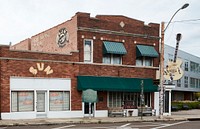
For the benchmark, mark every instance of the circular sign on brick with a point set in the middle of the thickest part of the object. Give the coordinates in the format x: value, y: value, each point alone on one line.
x: 89, y: 96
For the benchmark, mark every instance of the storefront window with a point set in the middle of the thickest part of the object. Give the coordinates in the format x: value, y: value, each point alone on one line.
x: 128, y: 100
x: 22, y: 101
x: 115, y: 99
x: 59, y: 101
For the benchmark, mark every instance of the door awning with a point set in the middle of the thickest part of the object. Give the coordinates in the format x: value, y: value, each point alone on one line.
x: 148, y: 51
x: 101, y: 83
x: 114, y: 48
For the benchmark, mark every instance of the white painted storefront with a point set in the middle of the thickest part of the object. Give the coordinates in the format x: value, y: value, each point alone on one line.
x: 40, y: 97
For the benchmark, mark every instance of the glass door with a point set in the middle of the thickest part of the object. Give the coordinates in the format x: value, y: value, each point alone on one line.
x: 41, y: 104
x: 88, y: 109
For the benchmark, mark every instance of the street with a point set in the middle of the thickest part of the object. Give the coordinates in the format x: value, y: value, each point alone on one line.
x: 130, y: 125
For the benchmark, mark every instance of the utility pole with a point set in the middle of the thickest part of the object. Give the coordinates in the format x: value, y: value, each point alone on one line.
x: 142, y: 97
x: 161, y: 93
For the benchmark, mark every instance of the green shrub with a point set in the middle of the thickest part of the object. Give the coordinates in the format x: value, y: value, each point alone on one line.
x: 190, y: 104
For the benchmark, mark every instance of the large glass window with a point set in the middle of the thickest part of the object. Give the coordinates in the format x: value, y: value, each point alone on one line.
x: 127, y: 99
x: 88, y: 51
x: 59, y: 101
x: 22, y: 101
x: 112, y: 59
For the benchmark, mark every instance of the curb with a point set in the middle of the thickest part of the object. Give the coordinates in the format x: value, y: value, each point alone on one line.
x: 87, y: 121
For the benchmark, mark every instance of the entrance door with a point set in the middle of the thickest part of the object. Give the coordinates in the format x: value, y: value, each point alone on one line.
x: 166, y: 106
x: 87, y: 109
x: 41, y: 104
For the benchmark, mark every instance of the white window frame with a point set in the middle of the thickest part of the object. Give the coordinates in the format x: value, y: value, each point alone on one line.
x: 15, y: 101
x: 61, y: 107
x: 91, y: 52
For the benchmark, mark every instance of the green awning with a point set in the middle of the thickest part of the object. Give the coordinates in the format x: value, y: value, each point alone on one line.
x: 101, y: 83
x: 114, y: 48
x: 148, y: 51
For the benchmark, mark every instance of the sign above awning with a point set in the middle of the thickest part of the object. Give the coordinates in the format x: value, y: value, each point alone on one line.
x: 101, y: 83
x: 148, y: 51
x: 114, y: 48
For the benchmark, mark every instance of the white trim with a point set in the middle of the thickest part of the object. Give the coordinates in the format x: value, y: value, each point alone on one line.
x: 40, y: 84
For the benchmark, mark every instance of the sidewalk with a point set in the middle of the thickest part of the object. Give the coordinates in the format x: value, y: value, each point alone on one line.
x: 176, y: 116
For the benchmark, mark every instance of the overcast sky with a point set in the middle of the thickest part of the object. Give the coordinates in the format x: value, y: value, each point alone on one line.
x: 21, y: 19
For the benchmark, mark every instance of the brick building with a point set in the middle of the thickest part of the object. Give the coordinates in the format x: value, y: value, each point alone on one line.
x: 45, y: 75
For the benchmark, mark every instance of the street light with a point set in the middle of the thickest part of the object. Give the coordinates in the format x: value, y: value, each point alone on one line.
x: 183, y: 7
x: 163, y: 29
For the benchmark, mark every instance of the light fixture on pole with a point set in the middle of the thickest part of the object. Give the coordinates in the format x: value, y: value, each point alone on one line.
x: 163, y: 29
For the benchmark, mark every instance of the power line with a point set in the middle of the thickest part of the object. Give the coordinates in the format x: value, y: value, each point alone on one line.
x: 190, y: 20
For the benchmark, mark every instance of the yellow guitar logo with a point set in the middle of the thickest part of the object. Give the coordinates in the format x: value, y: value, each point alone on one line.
x: 173, y: 70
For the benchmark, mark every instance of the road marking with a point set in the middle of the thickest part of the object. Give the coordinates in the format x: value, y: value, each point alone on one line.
x: 167, y: 125
x: 68, y: 126
x: 140, y: 126
x: 125, y: 125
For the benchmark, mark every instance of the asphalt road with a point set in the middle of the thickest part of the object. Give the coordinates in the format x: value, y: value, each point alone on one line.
x: 133, y: 125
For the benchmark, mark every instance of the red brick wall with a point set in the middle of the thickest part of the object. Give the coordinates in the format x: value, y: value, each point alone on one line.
x: 46, y: 40
x: 17, y: 65
x: 23, y: 45
x: 111, y: 23
x: 102, y: 104
x: 128, y: 59
x: 117, y: 71
x: 64, y: 66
